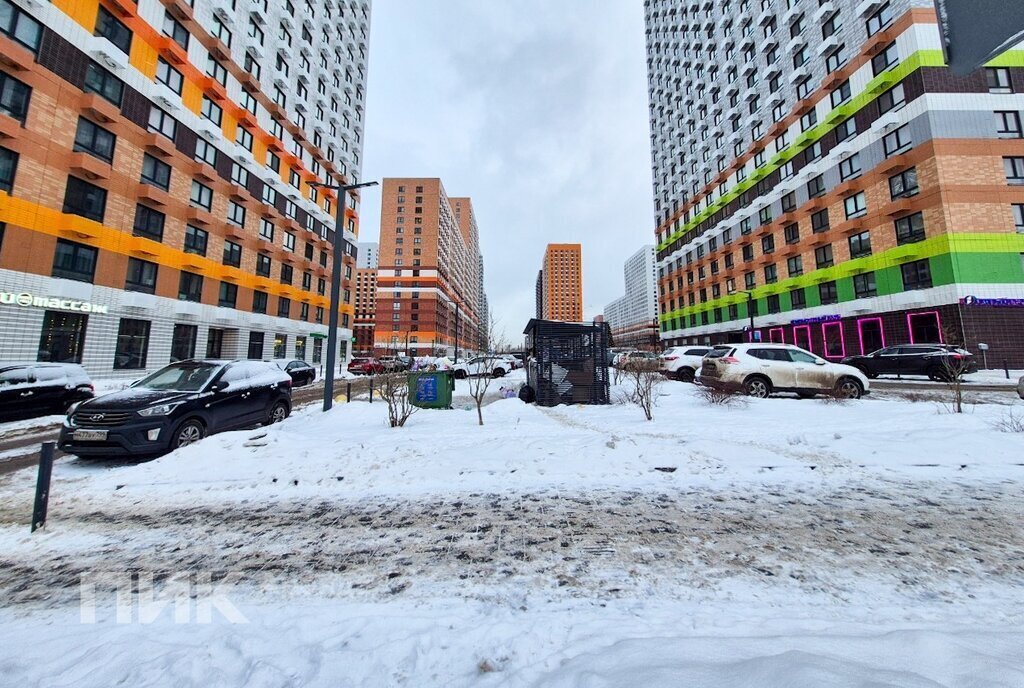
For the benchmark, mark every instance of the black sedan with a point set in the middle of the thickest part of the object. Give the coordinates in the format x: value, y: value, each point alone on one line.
x: 301, y: 372
x: 937, y: 361
x: 177, y: 405
x: 28, y: 390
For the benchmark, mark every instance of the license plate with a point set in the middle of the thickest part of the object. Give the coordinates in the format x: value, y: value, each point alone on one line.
x: 90, y: 435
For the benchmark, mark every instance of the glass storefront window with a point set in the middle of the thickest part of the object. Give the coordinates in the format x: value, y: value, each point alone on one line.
x: 280, y: 345
x: 62, y: 338
x: 300, y: 348
x: 255, y: 345
x: 132, y: 344
x: 183, y: 342
x: 318, y: 349
x: 214, y: 342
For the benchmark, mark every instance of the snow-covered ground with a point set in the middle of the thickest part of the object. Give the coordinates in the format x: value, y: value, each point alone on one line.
x: 780, y: 542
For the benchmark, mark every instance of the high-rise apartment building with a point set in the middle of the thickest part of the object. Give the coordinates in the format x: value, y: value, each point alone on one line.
x: 155, y: 168
x: 633, y: 316
x: 429, y: 291
x: 818, y: 169
x: 368, y: 252
x: 538, y: 295
x: 561, y: 283
x: 365, y: 310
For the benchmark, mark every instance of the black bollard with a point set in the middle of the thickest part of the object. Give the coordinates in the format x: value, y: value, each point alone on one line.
x: 43, y: 485
x: 348, y: 391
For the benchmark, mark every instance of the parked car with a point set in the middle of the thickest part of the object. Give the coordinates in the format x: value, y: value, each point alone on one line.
x: 301, y: 372
x: 636, y: 356
x: 393, y: 364
x: 481, y: 365
x: 683, y: 362
x: 1020, y: 387
x: 763, y: 369
x: 513, y: 362
x: 937, y: 361
x: 366, y: 366
x: 28, y: 390
x: 178, y: 405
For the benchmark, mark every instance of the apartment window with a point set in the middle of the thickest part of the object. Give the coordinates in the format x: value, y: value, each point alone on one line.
x: 789, y: 202
x: 885, y: 59
x: 798, y: 298
x: 749, y: 280
x: 249, y: 102
x: 95, y: 140
x: 850, y: 168
x: 162, y: 123
x: 263, y: 265
x: 1008, y: 125
x: 791, y: 233
x: 269, y: 195
x: 998, y: 80
x: 904, y: 184
x: 216, y: 70
x: 855, y: 205
x: 289, y: 241
x: 835, y: 59
x: 141, y: 276
x: 284, y: 309
x: 287, y: 273
x: 768, y: 244
x: 74, y: 261
x: 175, y: 30
x: 891, y: 99
x: 221, y: 31
x: 148, y: 223
x: 113, y: 30
x: 233, y: 254
x: 896, y: 141
x: 14, y: 97
x: 860, y: 245
x: 236, y: 214
x: 190, y: 287
x: 8, y: 167
x: 827, y: 292
x: 771, y: 274
x: 745, y: 226
x: 816, y: 186
x: 132, y: 344
x: 809, y: 119
x: 840, y: 94
x: 916, y: 275
x: 864, y: 285
x: 103, y: 83
x: 795, y: 266
x: 212, y: 111
x: 244, y: 138
x: 846, y: 129
x: 201, y: 196
x: 183, y: 342
x: 803, y: 88
x: 85, y: 199
x: 266, y: 229
x: 19, y: 26
x: 910, y: 229
x: 206, y: 152
x: 228, y: 295
x: 1018, y: 217
x: 823, y: 256
x: 169, y: 76
x: 881, y: 18
x: 765, y: 215
x: 195, y: 240
x: 239, y: 175
x: 259, y: 302
x: 155, y: 172
x: 748, y: 253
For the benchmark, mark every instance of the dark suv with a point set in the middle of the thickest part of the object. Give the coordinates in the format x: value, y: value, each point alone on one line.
x: 937, y: 361
x: 178, y: 405
x: 28, y: 390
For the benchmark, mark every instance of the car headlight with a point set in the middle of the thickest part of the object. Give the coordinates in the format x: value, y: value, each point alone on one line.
x: 159, y: 409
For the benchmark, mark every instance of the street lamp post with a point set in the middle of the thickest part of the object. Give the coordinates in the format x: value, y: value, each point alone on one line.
x: 332, y: 327
x: 456, y: 331
x: 750, y: 309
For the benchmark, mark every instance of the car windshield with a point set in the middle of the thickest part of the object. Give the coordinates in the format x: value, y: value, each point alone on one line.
x: 181, y: 377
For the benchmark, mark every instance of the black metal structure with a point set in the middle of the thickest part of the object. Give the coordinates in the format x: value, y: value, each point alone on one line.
x: 568, y: 361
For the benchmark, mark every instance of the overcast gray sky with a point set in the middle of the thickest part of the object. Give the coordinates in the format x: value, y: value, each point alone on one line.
x: 537, y: 110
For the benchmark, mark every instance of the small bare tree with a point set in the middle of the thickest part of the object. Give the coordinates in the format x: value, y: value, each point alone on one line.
x: 954, y: 367
x: 643, y: 379
x: 481, y: 382
x: 394, y: 389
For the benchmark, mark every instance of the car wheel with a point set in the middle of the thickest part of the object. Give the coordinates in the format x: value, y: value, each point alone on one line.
x: 758, y: 387
x: 278, y: 413
x: 938, y: 375
x: 460, y: 374
x: 189, y: 432
x: 848, y: 388
x: 499, y: 372
x: 686, y: 374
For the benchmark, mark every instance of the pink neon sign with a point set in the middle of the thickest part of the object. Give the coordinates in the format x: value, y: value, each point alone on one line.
x: 825, y: 327
x: 777, y: 335
x: 910, y: 324
x: 860, y: 332
x: 807, y: 342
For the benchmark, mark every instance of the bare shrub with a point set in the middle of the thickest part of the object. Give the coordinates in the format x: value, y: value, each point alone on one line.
x: 479, y: 384
x: 953, y: 370
x: 1010, y: 422
x: 915, y: 397
x: 643, y: 378
x: 834, y: 396
x: 722, y: 394
x: 394, y: 390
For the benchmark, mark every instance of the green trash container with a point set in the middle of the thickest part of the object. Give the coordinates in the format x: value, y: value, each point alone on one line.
x: 431, y: 389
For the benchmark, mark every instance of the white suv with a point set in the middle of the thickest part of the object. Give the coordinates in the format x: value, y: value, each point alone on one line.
x: 762, y: 369
x: 492, y: 365
x: 683, y: 362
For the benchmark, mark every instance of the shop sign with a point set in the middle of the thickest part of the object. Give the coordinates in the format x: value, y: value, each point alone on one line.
x: 819, y: 319
x: 1004, y: 303
x: 26, y: 300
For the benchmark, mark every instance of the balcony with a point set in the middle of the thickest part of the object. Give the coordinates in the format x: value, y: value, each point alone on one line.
x: 98, y: 108
x: 148, y: 192
x: 15, y: 56
x: 198, y: 215
x: 87, y: 166
x: 158, y: 144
